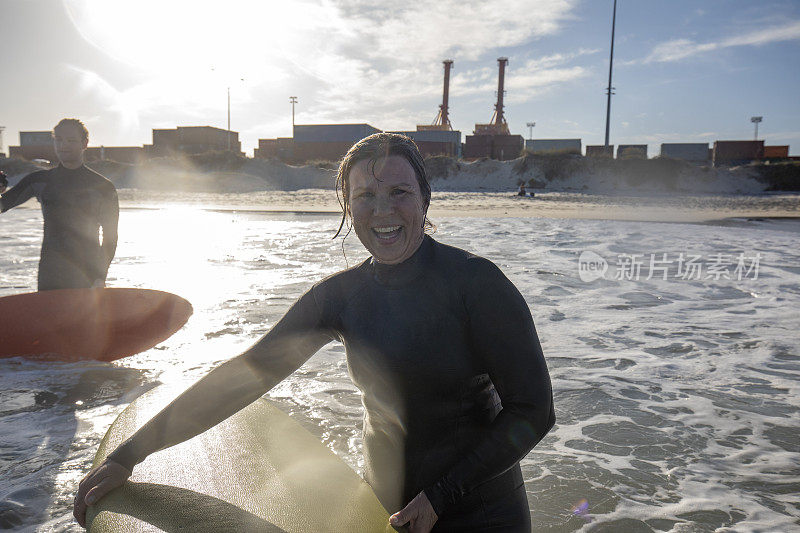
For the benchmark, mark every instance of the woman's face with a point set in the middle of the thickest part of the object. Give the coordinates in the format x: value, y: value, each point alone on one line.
x: 387, y: 208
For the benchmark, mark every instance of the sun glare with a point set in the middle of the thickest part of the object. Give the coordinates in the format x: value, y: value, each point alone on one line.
x: 235, y: 38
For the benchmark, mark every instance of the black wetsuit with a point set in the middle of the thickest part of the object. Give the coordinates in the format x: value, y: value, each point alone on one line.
x: 434, y: 343
x: 75, y: 203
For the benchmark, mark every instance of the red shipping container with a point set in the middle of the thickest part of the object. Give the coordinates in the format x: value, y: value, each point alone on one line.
x: 776, y: 151
x: 431, y: 148
x: 737, y: 152
x: 599, y: 150
x: 506, y: 147
x: 478, y: 146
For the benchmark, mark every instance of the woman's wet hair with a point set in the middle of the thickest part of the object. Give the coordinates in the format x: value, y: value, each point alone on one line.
x: 74, y: 122
x: 374, y: 148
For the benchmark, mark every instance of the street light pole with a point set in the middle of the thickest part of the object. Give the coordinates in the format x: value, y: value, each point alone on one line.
x: 293, y: 100
x: 530, y: 130
x: 756, y: 120
x: 229, y: 113
x: 610, y: 89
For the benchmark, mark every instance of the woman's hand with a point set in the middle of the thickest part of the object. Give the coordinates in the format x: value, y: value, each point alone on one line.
x: 97, y: 483
x: 418, y: 514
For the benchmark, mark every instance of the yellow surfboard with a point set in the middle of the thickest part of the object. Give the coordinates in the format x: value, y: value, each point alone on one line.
x: 259, y: 470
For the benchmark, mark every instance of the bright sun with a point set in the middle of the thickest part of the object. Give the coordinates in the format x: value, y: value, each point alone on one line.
x: 232, y: 38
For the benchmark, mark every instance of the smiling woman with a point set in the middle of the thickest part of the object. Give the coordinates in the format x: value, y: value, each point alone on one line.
x: 441, y: 344
x: 388, y: 208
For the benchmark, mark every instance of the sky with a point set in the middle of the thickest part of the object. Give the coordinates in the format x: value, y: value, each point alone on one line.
x: 684, y: 70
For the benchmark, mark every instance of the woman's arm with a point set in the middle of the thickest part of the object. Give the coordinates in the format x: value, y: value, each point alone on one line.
x: 503, y: 334
x: 222, y: 392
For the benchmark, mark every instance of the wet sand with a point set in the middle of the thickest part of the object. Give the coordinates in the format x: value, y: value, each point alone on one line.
x: 562, y: 205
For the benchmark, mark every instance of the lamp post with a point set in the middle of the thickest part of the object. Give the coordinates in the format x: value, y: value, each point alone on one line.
x: 610, y: 89
x: 293, y: 101
x: 530, y: 130
x: 229, y: 114
x: 756, y: 120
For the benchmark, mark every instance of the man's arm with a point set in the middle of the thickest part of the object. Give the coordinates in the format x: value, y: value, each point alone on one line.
x: 18, y: 194
x: 109, y: 220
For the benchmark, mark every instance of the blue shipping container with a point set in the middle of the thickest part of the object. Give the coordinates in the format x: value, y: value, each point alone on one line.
x: 320, y: 133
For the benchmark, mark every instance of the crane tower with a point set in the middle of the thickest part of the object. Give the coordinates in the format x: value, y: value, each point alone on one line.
x: 497, y: 124
x: 442, y: 120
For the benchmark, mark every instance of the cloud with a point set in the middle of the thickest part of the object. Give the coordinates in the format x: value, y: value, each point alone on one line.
x: 423, y: 30
x: 523, y: 82
x: 92, y: 85
x: 678, y: 49
x: 384, y: 63
x: 346, y: 60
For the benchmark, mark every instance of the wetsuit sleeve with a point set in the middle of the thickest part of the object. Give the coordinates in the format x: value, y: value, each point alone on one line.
x: 109, y: 219
x: 233, y: 385
x: 18, y: 194
x: 503, y: 335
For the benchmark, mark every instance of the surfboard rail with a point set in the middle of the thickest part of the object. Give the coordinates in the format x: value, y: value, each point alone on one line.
x: 101, y: 324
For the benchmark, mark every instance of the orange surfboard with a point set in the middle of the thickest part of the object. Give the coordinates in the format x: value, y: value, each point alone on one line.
x: 100, y: 324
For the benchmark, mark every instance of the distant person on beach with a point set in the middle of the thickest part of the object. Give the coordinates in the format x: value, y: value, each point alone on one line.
x: 80, y: 211
x: 522, y: 192
x: 442, y: 345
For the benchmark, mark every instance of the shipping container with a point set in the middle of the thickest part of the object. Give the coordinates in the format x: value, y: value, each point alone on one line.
x: 632, y: 151
x: 120, y: 154
x: 205, y: 135
x: 319, y: 151
x: 737, y: 152
x: 267, y: 148
x: 46, y: 152
x: 285, y: 148
x: 164, y: 141
x: 693, y: 152
x: 477, y: 146
x: 776, y: 152
x: 437, y: 142
x: 507, y: 147
x: 599, y: 150
x: 430, y: 149
x: 36, y: 138
x: 337, y: 133
x: 543, y: 146
x: 439, y: 136
x: 194, y: 140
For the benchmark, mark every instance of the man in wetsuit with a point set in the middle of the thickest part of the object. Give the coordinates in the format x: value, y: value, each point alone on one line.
x: 80, y: 211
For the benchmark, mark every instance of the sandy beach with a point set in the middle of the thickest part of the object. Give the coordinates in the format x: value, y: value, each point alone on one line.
x: 557, y: 205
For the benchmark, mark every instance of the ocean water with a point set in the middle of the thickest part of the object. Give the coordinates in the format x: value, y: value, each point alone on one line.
x: 677, y: 396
